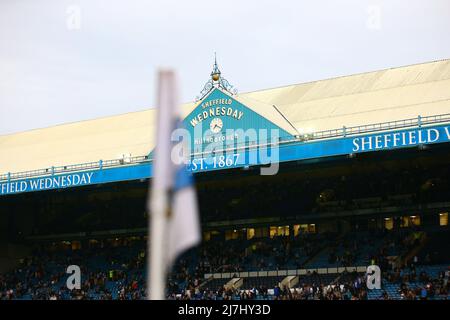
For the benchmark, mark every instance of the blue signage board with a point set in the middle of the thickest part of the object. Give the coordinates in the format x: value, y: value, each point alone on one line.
x: 248, y: 157
x: 78, y: 179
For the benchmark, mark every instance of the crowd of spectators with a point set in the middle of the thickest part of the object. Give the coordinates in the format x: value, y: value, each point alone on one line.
x: 107, y: 273
x: 117, y: 271
x: 352, y: 287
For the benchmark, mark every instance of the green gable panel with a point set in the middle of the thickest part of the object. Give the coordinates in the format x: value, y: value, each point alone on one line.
x: 222, y: 120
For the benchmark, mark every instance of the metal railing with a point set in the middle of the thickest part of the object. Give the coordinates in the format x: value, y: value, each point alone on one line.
x: 285, y: 272
x: 341, y: 132
x: 390, y: 125
x: 74, y: 168
x: 320, y: 135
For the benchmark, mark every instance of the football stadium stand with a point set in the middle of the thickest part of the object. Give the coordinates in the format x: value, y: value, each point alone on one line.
x: 118, y: 272
x: 363, y: 180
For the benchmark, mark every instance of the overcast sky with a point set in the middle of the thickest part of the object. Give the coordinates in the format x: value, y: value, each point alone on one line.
x: 65, y: 61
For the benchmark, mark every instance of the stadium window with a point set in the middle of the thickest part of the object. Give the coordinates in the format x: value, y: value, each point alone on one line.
x: 388, y: 223
x: 215, y: 234
x: 272, y: 232
x: 404, y: 223
x: 304, y: 228
x: 207, y: 236
x: 250, y: 233
x: 94, y: 243
x: 261, y: 232
x: 415, y: 220
x: 232, y: 234
x: 66, y: 245
x: 76, y: 245
x: 229, y: 235
x: 280, y: 231
x: 443, y: 219
x: 115, y: 242
x: 372, y: 224
x: 296, y: 229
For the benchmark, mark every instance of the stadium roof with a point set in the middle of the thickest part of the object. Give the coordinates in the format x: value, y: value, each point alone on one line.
x: 372, y: 97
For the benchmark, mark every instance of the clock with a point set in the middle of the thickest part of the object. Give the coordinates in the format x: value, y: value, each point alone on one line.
x: 216, y: 125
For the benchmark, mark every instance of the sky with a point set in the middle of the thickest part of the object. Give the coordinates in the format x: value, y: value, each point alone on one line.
x: 65, y: 61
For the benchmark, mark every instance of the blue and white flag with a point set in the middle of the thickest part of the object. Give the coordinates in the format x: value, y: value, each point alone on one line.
x: 173, y: 206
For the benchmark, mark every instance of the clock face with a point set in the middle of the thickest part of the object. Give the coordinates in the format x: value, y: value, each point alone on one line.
x: 216, y: 125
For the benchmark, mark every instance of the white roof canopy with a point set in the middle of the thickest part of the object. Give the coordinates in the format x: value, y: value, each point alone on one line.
x: 372, y: 97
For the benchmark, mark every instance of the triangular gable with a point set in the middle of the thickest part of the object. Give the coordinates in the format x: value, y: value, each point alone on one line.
x: 219, y: 113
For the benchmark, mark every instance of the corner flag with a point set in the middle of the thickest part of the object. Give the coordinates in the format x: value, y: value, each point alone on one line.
x: 174, y: 223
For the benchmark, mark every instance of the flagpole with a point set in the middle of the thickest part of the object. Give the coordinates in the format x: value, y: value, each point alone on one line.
x: 160, y: 185
x: 173, y: 222
x: 156, y: 276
